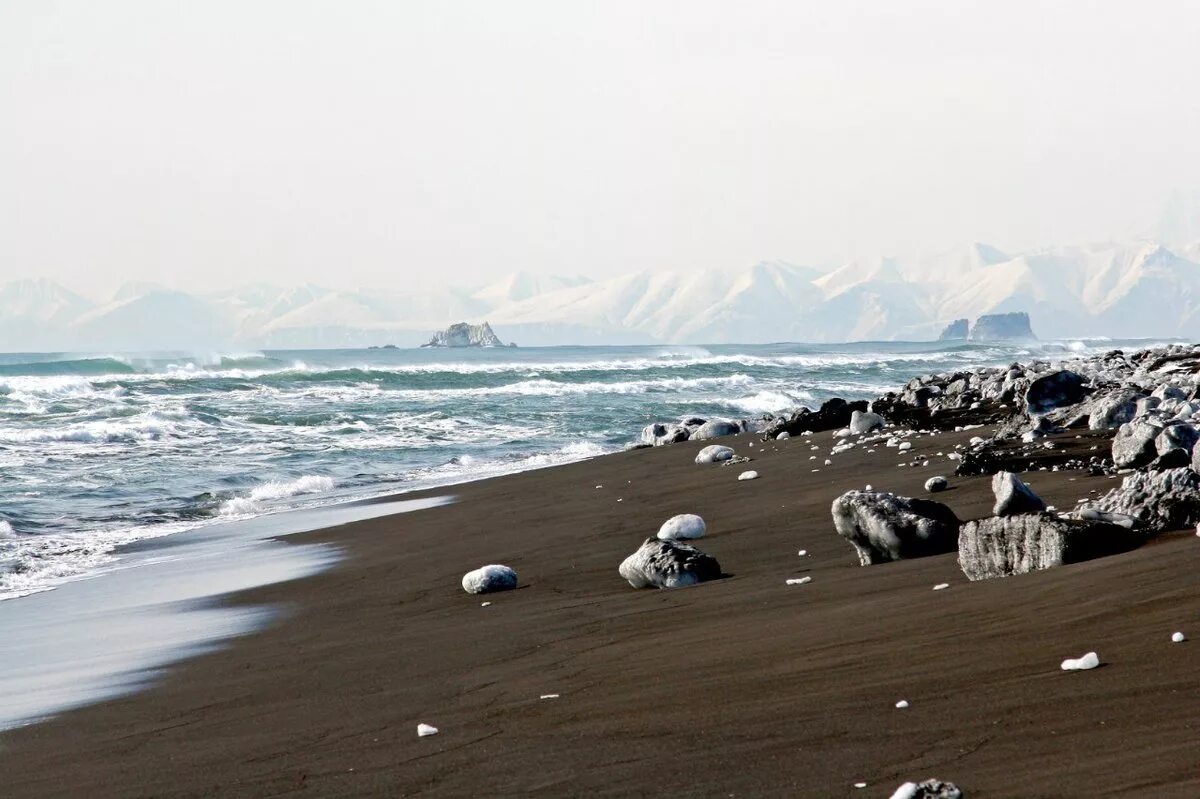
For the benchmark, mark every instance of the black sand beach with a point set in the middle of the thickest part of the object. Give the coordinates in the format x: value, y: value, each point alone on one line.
x: 741, y: 687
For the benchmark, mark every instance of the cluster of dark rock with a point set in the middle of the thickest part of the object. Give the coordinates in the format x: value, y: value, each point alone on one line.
x: 1148, y: 402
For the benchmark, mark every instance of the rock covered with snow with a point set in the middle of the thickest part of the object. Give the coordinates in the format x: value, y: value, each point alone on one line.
x: 489, y: 579
x: 668, y: 564
x: 884, y: 527
x: 683, y: 526
x: 1013, y: 496
x: 1008, y: 545
x: 935, y: 484
x: 714, y: 453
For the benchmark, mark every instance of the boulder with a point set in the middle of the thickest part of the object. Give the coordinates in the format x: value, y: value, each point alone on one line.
x: 1171, y: 459
x: 1160, y: 500
x: 1055, y: 390
x: 1003, y: 546
x: 715, y: 428
x: 884, y: 527
x: 658, y: 434
x: 667, y: 564
x: 685, y: 525
x: 1113, y: 410
x: 1177, y: 435
x: 862, y: 422
x: 929, y: 789
x: 1133, y: 445
x: 714, y: 453
x: 489, y: 579
x: 935, y: 484
x: 1013, y: 496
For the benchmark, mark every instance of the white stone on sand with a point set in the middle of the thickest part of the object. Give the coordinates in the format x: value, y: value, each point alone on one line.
x: 487, y: 579
x: 941, y: 586
x: 549, y: 696
x: 784, y: 436
x: 750, y: 475
x: 1178, y: 638
x: 685, y: 525
x: 799, y: 580
x: 424, y: 730
x: 903, y: 703
x: 1089, y: 661
x: 714, y: 453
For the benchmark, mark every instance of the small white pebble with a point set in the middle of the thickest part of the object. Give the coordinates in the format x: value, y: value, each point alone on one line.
x: 903, y: 703
x: 599, y: 486
x: 941, y: 586
x: 1178, y: 638
x: 750, y: 475
x: 424, y: 730
x: 868, y: 488
x: 803, y: 553
x: 618, y: 499
x: 799, y: 580
x: 860, y: 785
x: 828, y: 462
x: 549, y: 696
x: 484, y: 604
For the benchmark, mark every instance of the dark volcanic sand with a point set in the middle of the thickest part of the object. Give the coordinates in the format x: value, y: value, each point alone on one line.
x: 742, y: 687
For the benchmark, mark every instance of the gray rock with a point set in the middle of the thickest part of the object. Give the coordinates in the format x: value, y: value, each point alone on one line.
x: 1113, y: 410
x: 714, y: 453
x: 935, y: 484
x: 1169, y: 392
x: 465, y: 335
x: 929, y: 789
x: 715, y: 428
x: 1160, y: 500
x: 1013, y: 496
x: 489, y: 579
x: 1003, y: 546
x: 1171, y: 459
x: 1178, y: 435
x: 1055, y: 390
x: 659, y: 434
x: 1133, y: 445
x: 668, y: 564
x: 862, y: 422
x: 884, y: 527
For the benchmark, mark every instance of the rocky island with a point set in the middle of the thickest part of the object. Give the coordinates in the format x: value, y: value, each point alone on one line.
x: 990, y: 327
x: 465, y: 335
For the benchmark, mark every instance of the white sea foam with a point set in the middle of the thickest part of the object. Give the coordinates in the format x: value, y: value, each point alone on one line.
x: 258, y: 498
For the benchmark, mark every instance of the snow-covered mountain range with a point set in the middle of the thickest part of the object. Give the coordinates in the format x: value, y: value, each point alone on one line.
x: 1114, y: 289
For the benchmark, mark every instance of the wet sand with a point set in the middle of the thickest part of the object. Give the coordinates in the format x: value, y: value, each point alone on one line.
x: 741, y: 687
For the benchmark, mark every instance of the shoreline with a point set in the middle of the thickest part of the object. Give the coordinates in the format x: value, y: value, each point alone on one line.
x: 743, y: 686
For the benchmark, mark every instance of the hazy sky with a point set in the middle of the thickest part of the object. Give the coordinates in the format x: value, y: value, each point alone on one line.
x: 206, y: 144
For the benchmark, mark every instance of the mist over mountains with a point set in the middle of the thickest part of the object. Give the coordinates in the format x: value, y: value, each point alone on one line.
x: 1130, y: 289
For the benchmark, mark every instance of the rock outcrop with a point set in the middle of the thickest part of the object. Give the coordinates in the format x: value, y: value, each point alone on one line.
x: 832, y: 415
x: 668, y: 564
x: 955, y: 331
x: 1002, y: 326
x: 1003, y: 546
x: 465, y: 335
x: 884, y: 527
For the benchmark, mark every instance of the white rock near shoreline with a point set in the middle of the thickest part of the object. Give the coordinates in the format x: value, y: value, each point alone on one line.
x: 714, y: 453
x: 488, y: 579
x: 683, y: 526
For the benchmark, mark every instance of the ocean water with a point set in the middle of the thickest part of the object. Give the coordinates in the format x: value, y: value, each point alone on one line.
x: 100, y: 451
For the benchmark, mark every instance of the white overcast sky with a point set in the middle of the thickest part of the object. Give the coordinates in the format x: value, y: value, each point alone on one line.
x: 208, y: 144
